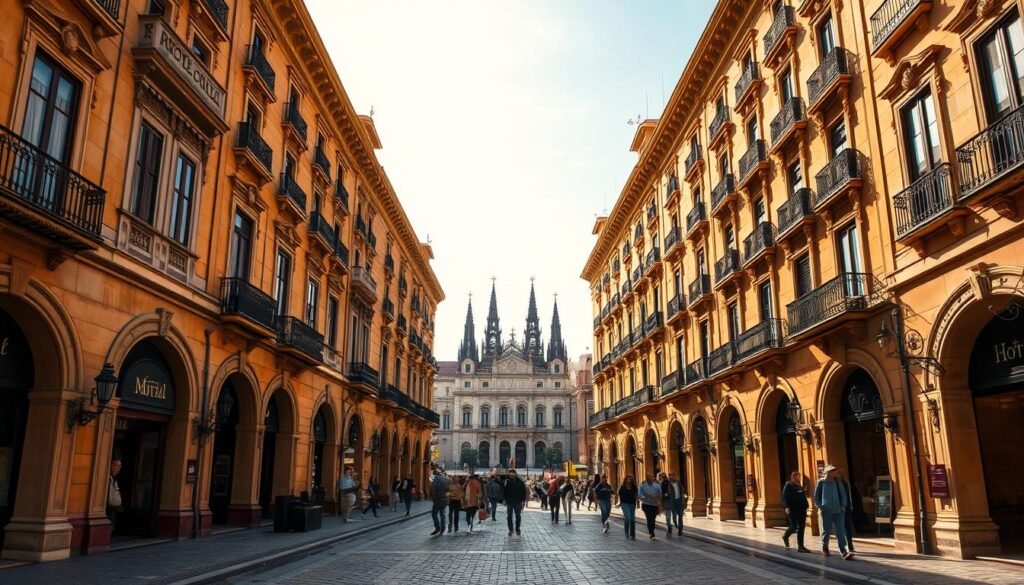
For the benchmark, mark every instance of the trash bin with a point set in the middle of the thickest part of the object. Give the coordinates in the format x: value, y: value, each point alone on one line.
x: 282, y: 505
x: 303, y: 516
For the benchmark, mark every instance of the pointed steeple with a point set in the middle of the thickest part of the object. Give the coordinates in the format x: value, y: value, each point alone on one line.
x: 533, y: 344
x: 468, y: 347
x: 492, y: 335
x: 556, y: 349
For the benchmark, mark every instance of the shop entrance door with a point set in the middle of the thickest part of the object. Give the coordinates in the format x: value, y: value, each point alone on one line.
x: 866, y: 454
x: 137, y: 444
x: 16, y: 377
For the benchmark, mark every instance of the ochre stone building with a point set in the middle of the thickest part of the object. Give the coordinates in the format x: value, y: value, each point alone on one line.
x: 188, y: 195
x: 817, y: 259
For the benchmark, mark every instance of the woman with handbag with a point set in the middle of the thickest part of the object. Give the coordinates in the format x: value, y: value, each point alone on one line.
x: 472, y: 497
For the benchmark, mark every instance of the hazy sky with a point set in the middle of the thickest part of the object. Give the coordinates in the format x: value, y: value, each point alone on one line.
x: 504, y: 126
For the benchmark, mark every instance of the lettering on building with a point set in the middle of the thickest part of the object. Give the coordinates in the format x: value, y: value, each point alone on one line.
x: 4, y: 345
x: 1008, y: 351
x: 150, y: 388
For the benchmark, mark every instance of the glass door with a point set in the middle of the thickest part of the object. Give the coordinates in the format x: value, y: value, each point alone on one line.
x: 850, y: 262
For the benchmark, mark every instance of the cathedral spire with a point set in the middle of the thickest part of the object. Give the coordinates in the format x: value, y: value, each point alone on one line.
x: 556, y: 349
x: 533, y: 346
x: 468, y: 348
x: 492, y: 336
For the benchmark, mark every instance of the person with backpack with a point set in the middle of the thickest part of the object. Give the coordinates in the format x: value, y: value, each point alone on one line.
x: 568, y: 494
x: 472, y: 497
x: 553, y: 498
x: 494, y: 495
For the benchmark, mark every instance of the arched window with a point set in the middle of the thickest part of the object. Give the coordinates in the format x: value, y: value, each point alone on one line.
x: 520, y: 416
x: 558, y: 368
x: 446, y: 421
x: 467, y: 418
x: 558, y: 416
x: 485, y: 417
x: 465, y: 368
x: 503, y: 416
x: 539, y: 418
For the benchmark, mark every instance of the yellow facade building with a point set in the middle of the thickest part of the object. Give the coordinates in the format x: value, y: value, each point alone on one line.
x: 817, y: 260
x: 205, y: 274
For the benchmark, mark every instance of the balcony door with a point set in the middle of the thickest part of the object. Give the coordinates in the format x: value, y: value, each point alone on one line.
x: 1001, y: 61
x: 850, y: 261
x: 49, y: 126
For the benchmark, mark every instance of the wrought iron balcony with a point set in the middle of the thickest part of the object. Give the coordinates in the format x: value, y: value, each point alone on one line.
x: 696, y: 216
x: 363, y: 283
x: 597, y: 321
x: 616, y: 266
x: 695, y: 156
x: 633, y: 401
x: 672, y: 187
x: 388, y: 307
x: 759, y: 241
x: 892, y: 17
x: 321, y: 161
x: 638, y: 231
x: 627, y: 287
x: 389, y: 263
x: 784, y: 21
x: 249, y: 139
x: 676, y: 305
x: 596, y: 369
x: 638, y: 274
x: 722, y: 191
x: 753, y: 158
x: 766, y: 335
x: 727, y: 265
x: 606, y: 280
x: 721, y: 358
x: 991, y: 154
x: 671, y: 383
x: 789, y: 118
x: 928, y: 198
x: 653, y: 256
x: 840, y: 172
x: 341, y: 193
x: 294, y: 334
x: 598, y: 417
x: 293, y: 118
x: 218, y: 9
x: 844, y: 293
x: 751, y: 75
x: 672, y: 237
x: 238, y: 297
x: 257, y: 61
x: 696, y: 371
x: 319, y: 227
x: 654, y: 322
x: 794, y: 211
x: 834, y: 67
x: 363, y: 374
x: 290, y: 189
x: 402, y: 323
x: 341, y: 252
x: 606, y: 311
x: 699, y: 288
x: 718, y: 122
x: 46, y: 196
x: 615, y: 301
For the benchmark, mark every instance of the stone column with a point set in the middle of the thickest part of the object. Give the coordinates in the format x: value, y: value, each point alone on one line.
x: 244, y: 509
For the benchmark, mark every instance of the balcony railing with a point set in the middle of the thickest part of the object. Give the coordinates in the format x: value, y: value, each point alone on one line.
x: 218, y: 8
x: 693, y: 158
x: 113, y: 8
x: 835, y: 64
x: 295, y: 119
x: 721, y: 358
x: 292, y: 332
x: 759, y: 240
x: 318, y: 225
x: 341, y: 192
x: 754, y: 156
x: 653, y: 322
x: 597, y: 418
x: 991, y: 154
x: 700, y: 287
x: 388, y: 306
x: 654, y: 255
x: 638, y: 274
x: 258, y: 61
x: 718, y: 122
x: 929, y: 197
x: 784, y: 19
x: 838, y: 173
x: 49, y: 187
x: 341, y: 251
x: 361, y: 373
x: 751, y: 73
x: 361, y: 276
x: 671, y: 383
x: 290, y: 189
x: 238, y: 297
x: 696, y: 371
x: 791, y: 113
x: 652, y: 212
x: 633, y: 401
x: 249, y: 138
x: 695, y: 216
x: 320, y: 159
x: 888, y: 18
x: 638, y: 231
x: 597, y: 321
x: 672, y: 186
x: 846, y: 292
x: 768, y: 334
x: 728, y: 264
x: 403, y: 324
x: 795, y: 209
x: 722, y: 190
x: 676, y: 305
x: 673, y: 237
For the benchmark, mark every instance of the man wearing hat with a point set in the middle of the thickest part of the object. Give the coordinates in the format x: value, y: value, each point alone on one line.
x: 832, y: 500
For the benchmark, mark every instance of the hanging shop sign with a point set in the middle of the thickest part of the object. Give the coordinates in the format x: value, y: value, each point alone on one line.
x: 191, y: 471
x: 997, y: 360
x: 147, y: 385
x: 938, y: 481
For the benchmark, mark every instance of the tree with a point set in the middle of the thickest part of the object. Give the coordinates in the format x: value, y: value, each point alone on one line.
x: 550, y: 456
x: 468, y: 457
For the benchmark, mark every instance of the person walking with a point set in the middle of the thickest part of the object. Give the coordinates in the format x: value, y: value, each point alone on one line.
x: 679, y: 498
x: 540, y: 491
x: 591, y: 495
x: 406, y: 490
x: 650, y: 499
x: 794, y: 499
x: 455, y: 493
x: 394, y: 493
x: 603, y: 496
x: 515, y: 496
x: 627, y: 501
x: 568, y: 493
x: 113, y: 493
x: 553, y: 498
x: 472, y: 497
x: 371, y: 489
x: 848, y: 514
x: 439, y: 498
x: 348, y: 485
x: 666, y: 501
x: 493, y: 490
x: 832, y: 499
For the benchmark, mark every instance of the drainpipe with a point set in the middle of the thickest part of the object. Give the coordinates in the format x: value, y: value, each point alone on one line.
x: 897, y: 316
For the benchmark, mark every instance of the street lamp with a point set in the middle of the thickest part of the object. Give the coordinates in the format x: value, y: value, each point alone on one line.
x: 106, y: 385
x: 216, y: 418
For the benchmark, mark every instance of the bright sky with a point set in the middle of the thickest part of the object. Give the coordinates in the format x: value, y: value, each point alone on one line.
x: 504, y: 126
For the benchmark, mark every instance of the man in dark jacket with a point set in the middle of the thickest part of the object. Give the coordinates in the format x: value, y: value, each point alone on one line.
x: 515, y: 496
x: 795, y: 501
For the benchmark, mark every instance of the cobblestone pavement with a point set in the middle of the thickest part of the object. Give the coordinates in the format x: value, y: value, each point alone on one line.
x: 580, y: 553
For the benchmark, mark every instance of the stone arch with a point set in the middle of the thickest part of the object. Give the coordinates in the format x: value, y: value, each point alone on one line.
x: 652, y: 450
x: 700, y: 445
x: 828, y: 394
x: 245, y: 381
x: 675, y: 449
x: 631, y: 456
x: 732, y: 460
x: 158, y: 329
x: 323, y: 455
x: 290, y: 418
x: 779, y: 454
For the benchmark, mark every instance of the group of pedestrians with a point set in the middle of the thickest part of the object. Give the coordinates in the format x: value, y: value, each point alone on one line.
x: 402, y: 490
x: 469, y: 495
x: 666, y: 494
x: 833, y: 498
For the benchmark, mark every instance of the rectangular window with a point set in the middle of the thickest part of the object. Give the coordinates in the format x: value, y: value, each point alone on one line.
x: 147, y: 173
x: 764, y: 297
x: 201, y: 53
x: 723, y: 165
x: 921, y: 133
x: 786, y: 86
x: 705, y: 339
x: 486, y: 384
x: 849, y: 260
x: 680, y: 353
x: 465, y: 384
x: 730, y: 238
x: 51, y: 108
x: 702, y: 265
x: 241, y: 246
x: 734, y: 321
x: 677, y: 282
x: 558, y: 384
x: 804, y: 284
x: 760, y: 211
x: 752, y: 133
x: 282, y: 277
x: 795, y: 176
x: 1001, y: 64
x: 182, y: 199
x: 826, y: 35
x: 446, y: 421
x: 312, y: 300
x: 837, y: 138
x: 332, y: 322
x: 696, y: 195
